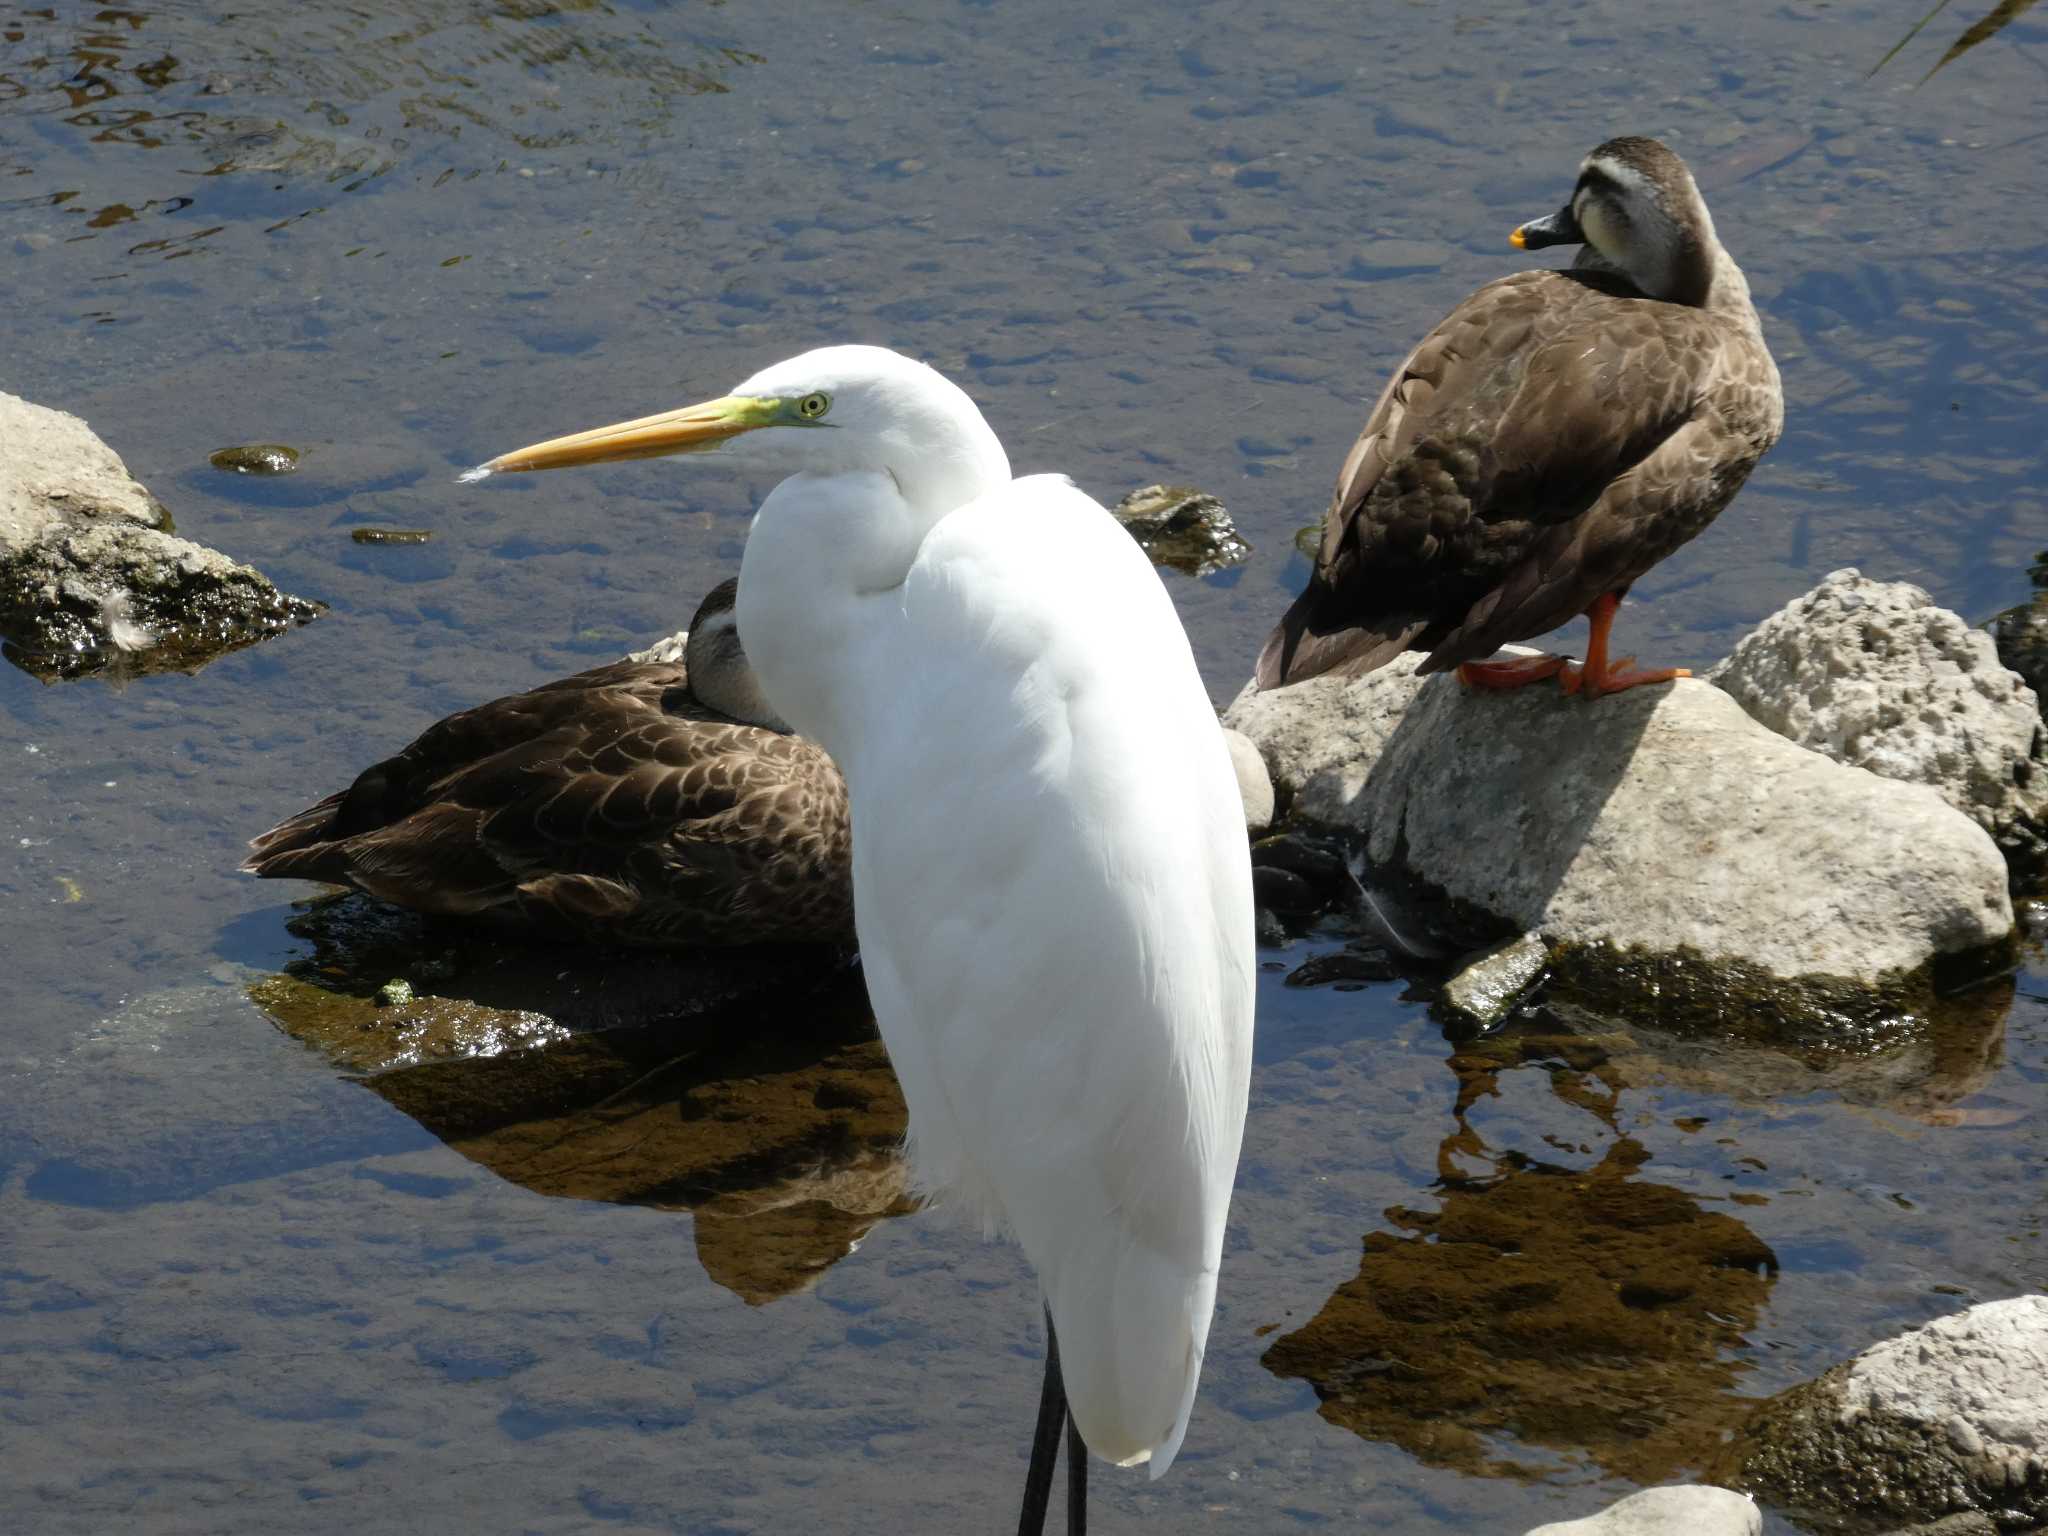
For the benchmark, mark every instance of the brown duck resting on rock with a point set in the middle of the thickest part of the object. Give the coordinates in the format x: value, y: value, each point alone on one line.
x: 1558, y: 434
x: 645, y: 802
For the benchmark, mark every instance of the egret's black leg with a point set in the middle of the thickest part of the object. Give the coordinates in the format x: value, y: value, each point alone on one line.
x: 1077, y: 1479
x: 1045, y: 1440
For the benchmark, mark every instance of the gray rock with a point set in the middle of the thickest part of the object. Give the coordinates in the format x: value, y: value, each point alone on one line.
x: 91, y: 575
x: 1182, y: 528
x: 1253, y: 782
x: 1662, y: 821
x: 1949, y: 1419
x: 1691, y: 1511
x: 1492, y: 982
x: 1874, y: 674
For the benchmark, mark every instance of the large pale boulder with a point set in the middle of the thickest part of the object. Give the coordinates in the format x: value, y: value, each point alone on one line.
x: 1690, y: 1510
x: 1875, y: 674
x: 1663, y: 821
x: 91, y: 574
x: 1950, y: 1418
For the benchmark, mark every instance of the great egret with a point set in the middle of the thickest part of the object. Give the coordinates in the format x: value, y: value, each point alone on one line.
x: 1553, y: 438
x: 1052, y: 888
x: 646, y: 802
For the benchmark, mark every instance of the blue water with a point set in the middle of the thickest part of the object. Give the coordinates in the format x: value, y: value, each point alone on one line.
x: 241, y: 1291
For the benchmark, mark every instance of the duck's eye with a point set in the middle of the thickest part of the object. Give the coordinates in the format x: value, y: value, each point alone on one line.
x: 811, y: 407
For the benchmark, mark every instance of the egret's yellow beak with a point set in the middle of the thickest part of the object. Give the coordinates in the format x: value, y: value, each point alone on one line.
x: 689, y: 430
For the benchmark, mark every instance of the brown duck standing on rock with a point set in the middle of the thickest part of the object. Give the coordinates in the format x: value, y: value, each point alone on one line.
x: 645, y: 802
x: 1558, y: 434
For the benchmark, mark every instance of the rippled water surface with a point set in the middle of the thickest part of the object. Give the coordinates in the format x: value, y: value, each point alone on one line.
x: 1468, y: 1286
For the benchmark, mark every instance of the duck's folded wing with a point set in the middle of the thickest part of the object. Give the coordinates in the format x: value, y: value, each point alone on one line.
x: 1509, y: 421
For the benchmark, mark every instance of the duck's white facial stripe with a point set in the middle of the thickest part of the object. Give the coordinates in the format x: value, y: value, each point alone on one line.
x: 1624, y: 217
x: 1627, y: 177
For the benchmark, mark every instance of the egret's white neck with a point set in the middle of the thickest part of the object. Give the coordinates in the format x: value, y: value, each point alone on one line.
x: 831, y: 545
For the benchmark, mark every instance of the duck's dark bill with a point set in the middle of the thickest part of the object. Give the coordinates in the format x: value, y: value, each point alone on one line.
x: 1559, y: 229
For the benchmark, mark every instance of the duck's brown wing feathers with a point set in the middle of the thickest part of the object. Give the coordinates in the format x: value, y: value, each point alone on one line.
x: 1550, y: 441
x: 606, y: 806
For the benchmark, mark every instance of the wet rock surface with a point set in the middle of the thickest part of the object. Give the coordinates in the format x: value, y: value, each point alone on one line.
x: 1875, y: 674
x: 1950, y: 1419
x: 1660, y: 827
x: 1675, y: 1511
x: 255, y: 459
x: 2021, y: 635
x: 93, y: 579
x: 1492, y: 982
x: 1182, y: 528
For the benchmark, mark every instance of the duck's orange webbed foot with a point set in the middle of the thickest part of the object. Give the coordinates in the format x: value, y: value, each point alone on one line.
x: 1500, y: 676
x: 1615, y: 677
x: 1599, y: 675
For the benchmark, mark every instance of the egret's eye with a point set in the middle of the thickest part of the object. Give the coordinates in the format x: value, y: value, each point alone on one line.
x: 811, y: 407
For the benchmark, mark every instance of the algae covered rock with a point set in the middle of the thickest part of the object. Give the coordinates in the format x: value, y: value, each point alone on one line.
x: 1661, y: 828
x: 91, y: 576
x: 1875, y: 674
x: 1183, y: 528
x: 1951, y: 1418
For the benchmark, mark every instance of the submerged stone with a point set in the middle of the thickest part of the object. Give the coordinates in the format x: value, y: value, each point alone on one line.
x: 91, y: 577
x: 256, y: 459
x: 390, y: 535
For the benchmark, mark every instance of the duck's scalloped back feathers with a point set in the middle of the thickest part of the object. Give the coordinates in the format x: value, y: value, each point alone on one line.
x: 609, y: 806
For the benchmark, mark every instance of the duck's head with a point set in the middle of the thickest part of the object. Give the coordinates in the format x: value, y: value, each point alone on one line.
x: 1638, y: 213
x: 716, y: 665
x: 830, y: 411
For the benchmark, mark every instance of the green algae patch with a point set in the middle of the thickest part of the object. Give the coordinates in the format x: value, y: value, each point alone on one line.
x: 1685, y: 993
x: 256, y: 459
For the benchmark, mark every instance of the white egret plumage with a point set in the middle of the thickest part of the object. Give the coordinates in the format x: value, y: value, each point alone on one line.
x: 1052, y: 891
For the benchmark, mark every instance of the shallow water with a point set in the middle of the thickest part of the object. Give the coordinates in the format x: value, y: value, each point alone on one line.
x: 238, y: 1291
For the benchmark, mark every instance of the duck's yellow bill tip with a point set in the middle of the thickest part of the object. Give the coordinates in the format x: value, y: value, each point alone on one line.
x: 1517, y: 239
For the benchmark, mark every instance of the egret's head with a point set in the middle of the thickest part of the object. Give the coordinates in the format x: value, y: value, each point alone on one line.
x: 830, y: 411
x: 1638, y: 212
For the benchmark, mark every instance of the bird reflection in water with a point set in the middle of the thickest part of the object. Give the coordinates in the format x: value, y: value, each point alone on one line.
x: 773, y: 1117
x: 1577, y: 1310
